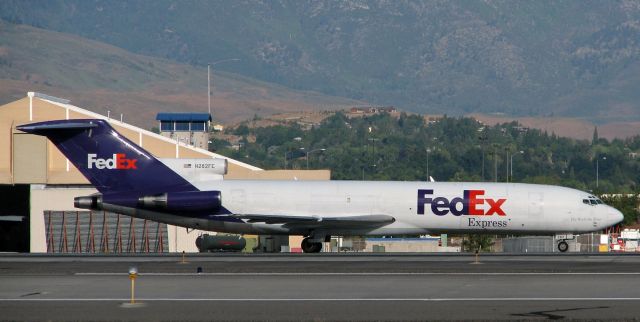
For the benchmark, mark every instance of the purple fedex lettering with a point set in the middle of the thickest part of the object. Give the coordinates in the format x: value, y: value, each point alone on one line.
x: 422, y: 199
x: 467, y: 205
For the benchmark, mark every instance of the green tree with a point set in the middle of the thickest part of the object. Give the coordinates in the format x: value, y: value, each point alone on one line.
x: 627, y: 204
x: 477, y: 243
x: 386, y: 147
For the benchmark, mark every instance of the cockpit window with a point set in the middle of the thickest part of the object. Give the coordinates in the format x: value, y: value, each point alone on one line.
x: 592, y: 200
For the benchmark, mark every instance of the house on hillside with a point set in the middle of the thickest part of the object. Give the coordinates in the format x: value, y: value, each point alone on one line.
x: 357, y: 111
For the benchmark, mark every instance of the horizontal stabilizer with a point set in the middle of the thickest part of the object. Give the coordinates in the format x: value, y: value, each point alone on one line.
x: 56, y: 126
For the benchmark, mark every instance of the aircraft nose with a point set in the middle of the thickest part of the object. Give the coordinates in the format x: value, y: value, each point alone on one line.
x: 614, y: 216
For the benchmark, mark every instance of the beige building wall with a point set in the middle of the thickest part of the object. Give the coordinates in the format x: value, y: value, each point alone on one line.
x: 30, y: 161
x: 43, y: 199
x: 59, y: 199
x: 197, y: 139
x: 281, y: 175
x: 59, y: 170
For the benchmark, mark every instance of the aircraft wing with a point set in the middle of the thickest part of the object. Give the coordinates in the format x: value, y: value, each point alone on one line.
x: 319, y: 221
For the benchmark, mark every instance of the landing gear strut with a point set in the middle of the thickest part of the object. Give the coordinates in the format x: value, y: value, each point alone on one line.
x: 309, y: 246
x: 563, y: 246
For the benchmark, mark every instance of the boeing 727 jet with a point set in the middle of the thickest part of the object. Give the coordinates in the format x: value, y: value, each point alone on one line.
x: 133, y: 182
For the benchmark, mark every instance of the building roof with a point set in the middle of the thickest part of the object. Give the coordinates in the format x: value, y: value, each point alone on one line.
x: 141, y: 131
x: 184, y: 117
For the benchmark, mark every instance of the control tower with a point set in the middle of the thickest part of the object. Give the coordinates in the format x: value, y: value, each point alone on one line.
x: 188, y: 128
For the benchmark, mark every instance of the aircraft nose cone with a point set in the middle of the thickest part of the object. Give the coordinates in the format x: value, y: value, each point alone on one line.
x: 615, y: 216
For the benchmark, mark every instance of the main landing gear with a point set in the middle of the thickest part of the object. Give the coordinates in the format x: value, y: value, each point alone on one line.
x: 313, y: 243
x: 311, y: 247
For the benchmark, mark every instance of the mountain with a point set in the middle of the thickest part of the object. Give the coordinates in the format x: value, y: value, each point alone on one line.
x: 102, y: 77
x: 522, y: 58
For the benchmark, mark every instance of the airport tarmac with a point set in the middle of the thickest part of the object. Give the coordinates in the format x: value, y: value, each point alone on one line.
x: 321, y: 287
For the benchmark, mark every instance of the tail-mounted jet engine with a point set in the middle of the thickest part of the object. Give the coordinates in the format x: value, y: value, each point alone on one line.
x: 188, y: 201
x: 88, y: 202
x: 185, y: 201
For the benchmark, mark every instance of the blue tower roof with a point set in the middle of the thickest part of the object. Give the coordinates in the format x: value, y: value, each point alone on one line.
x: 184, y: 117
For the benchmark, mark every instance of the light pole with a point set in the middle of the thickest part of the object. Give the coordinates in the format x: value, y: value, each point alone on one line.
x: 309, y: 152
x: 483, y: 139
x: 511, y: 163
x: 373, y: 157
x: 428, y: 151
x: 209, y: 78
x: 495, y: 163
x: 598, y: 170
x: 482, y: 163
x: 506, y: 149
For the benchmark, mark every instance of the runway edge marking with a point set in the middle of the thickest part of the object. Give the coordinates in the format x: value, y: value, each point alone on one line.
x: 488, y: 299
x: 365, y: 274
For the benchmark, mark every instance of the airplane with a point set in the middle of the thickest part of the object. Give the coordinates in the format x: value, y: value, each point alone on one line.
x: 133, y: 182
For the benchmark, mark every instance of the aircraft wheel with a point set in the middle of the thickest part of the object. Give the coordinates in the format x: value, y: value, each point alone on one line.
x: 310, y: 247
x: 563, y: 246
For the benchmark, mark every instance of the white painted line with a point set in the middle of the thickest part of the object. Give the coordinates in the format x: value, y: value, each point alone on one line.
x: 468, y: 299
x: 359, y: 274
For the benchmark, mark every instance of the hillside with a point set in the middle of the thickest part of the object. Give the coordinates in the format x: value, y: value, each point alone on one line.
x: 102, y: 77
x: 574, y: 128
x: 394, y: 147
x: 522, y: 58
x: 410, y: 147
x: 577, y: 128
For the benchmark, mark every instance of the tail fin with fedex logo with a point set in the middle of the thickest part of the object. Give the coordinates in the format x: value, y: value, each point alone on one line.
x: 111, y: 162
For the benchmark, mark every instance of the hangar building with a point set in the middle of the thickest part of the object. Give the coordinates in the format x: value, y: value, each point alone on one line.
x: 38, y: 184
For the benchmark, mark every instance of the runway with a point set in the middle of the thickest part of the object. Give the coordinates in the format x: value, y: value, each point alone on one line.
x: 321, y: 287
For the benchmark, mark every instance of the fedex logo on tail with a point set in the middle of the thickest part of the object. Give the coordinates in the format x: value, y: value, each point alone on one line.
x: 119, y: 161
x: 470, y: 204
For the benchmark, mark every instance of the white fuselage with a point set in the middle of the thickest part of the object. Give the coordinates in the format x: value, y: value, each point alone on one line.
x: 525, y: 208
x: 133, y: 182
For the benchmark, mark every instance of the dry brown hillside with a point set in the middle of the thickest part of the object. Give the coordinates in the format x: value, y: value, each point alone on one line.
x: 101, y: 77
x: 568, y: 127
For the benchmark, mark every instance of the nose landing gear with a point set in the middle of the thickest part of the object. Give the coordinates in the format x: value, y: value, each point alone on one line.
x: 563, y: 246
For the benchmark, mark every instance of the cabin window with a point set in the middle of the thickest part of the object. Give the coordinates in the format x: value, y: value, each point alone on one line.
x: 585, y: 201
x: 593, y: 202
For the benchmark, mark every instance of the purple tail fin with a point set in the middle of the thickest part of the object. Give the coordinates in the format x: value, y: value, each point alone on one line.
x: 111, y: 162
